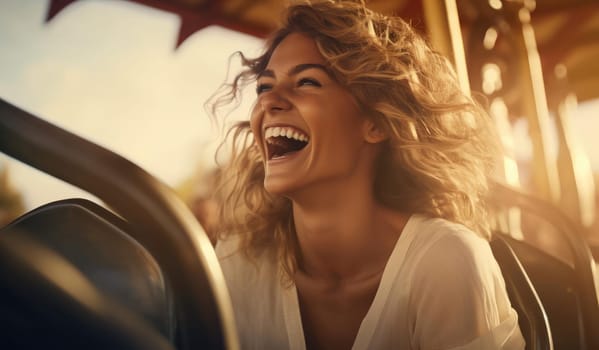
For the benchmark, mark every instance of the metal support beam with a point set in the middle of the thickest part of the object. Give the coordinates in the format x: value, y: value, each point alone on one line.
x: 445, y: 35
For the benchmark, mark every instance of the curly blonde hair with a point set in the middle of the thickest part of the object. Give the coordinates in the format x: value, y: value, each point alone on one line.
x: 441, y: 146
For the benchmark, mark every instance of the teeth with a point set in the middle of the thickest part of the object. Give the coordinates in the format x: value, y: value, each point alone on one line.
x: 288, y: 132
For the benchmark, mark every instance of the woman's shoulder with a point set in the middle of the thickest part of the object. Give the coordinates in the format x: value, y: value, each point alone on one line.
x: 239, y: 267
x: 228, y: 247
x: 440, y: 235
x: 439, y: 246
x: 256, y: 293
x: 454, y: 275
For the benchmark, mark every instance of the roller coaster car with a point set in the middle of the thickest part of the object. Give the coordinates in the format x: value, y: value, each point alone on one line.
x: 566, y: 313
x: 143, y: 275
x: 74, y: 275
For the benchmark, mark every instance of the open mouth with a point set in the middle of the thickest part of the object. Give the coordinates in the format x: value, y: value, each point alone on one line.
x: 283, y: 140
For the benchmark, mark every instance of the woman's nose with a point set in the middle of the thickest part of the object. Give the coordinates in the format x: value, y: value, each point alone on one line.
x: 274, y: 101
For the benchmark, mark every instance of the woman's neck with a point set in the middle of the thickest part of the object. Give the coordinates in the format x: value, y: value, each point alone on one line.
x: 344, y: 233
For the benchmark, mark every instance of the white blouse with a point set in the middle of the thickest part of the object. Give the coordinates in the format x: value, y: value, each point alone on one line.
x: 441, y: 289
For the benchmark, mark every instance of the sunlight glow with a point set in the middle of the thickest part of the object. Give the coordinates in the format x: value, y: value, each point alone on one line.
x: 109, y: 72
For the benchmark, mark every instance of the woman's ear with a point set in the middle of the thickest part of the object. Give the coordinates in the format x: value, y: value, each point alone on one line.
x: 373, y: 133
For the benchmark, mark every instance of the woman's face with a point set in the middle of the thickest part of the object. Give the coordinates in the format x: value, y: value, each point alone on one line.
x: 309, y: 127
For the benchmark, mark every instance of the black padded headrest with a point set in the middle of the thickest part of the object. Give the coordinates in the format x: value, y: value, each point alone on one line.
x: 97, y: 243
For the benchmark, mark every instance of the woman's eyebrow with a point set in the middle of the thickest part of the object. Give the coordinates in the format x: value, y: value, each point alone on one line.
x: 295, y: 70
x: 302, y: 67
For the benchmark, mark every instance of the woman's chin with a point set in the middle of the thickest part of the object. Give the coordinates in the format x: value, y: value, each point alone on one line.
x: 278, y: 187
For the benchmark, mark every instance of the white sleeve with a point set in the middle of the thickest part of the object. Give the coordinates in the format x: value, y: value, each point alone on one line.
x: 458, y: 298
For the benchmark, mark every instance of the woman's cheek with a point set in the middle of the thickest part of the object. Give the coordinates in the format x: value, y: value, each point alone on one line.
x: 256, y: 126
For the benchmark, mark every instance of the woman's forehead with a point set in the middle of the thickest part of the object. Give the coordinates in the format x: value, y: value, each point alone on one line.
x: 296, y: 48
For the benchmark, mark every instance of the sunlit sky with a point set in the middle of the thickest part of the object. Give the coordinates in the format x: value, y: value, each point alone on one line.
x: 109, y: 71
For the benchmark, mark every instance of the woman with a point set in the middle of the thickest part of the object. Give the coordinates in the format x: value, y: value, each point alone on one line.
x: 353, y: 213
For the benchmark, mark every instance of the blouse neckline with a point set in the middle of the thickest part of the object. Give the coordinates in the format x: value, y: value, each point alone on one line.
x: 291, y: 310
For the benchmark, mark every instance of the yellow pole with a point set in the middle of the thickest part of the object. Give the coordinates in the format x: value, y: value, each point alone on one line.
x: 577, y: 183
x: 534, y: 103
x: 445, y: 34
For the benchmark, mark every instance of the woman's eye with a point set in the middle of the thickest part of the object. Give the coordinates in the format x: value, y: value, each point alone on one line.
x: 260, y: 88
x: 308, y: 81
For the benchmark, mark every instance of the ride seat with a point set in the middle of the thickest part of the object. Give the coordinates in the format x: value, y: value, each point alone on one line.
x: 532, y: 317
x: 99, y: 245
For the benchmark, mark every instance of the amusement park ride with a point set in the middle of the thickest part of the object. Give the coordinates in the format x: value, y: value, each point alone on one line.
x: 153, y: 282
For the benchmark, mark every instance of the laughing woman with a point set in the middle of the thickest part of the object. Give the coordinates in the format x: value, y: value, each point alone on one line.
x: 353, y: 215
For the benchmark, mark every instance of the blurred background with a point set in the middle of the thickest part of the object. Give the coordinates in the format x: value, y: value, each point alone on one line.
x: 111, y: 72
x: 133, y: 76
